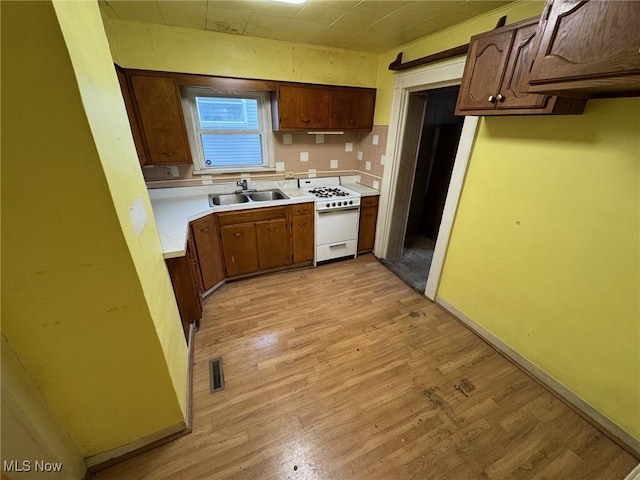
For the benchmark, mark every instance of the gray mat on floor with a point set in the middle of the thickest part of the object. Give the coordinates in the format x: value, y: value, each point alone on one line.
x: 413, y: 266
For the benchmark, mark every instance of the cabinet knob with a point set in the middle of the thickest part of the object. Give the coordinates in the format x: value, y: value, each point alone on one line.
x: 491, y: 99
x: 500, y: 98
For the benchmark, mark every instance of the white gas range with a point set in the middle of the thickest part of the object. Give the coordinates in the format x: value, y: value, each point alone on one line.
x: 337, y: 217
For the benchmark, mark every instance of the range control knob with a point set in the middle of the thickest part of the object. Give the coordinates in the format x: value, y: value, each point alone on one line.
x: 339, y: 204
x: 328, y: 204
x: 333, y: 204
x: 350, y: 202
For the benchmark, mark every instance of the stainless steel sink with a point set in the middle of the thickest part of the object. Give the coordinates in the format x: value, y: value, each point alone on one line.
x: 267, y: 195
x: 227, y: 199
x: 237, y: 198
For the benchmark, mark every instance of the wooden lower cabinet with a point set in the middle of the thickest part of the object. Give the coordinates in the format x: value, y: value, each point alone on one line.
x: 206, y: 236
x: 184, y: 278
x: 273, y: 243
x: 368, y: 220
x: 255, y: 240
x: 302, y: 232
x: 240, y: 249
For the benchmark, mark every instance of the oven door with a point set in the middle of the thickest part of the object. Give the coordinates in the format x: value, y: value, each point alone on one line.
x: 333, y: 226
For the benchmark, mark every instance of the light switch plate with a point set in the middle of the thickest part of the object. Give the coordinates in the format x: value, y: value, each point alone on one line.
x: 289, y: 174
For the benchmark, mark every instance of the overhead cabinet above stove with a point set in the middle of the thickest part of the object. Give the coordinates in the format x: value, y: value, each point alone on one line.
x: 307, y: 107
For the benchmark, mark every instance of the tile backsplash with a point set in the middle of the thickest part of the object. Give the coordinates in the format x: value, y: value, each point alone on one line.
x: 307, y: 155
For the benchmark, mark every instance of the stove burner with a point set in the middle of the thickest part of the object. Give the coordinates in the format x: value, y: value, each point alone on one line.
x: 328, y: 192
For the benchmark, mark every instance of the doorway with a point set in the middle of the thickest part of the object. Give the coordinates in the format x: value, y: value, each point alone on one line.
x: 436, y: 153
x: 405, y: 128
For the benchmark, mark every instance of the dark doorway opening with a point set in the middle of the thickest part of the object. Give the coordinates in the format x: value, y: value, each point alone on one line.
x: 435, y: 159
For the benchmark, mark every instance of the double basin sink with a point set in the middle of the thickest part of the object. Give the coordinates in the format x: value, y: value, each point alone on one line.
x: 246, y: 197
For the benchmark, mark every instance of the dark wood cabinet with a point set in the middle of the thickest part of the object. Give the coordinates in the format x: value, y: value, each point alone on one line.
x: 206, y: 236
x: 368, y: 220
x: 352, y: 109
x: 495, y: 76
x: 156, y: 97
x: 273, y: 243
x: 240, y: 249
x: 303, y: 107
x: 184, y: 278
x: 255, y: 240
x: 138, y: 141
x: 302, y: 232
x: 587, y: 47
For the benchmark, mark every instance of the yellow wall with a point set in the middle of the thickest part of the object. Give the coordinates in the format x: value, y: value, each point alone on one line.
x: 158, y: 47
x: 81, y: 294
x: 545, y: 248
x: 29, y: 431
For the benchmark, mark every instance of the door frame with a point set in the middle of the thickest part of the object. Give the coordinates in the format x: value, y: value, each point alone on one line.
x: 397, y: 182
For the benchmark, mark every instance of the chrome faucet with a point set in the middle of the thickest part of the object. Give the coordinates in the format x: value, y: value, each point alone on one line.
x: 242, y: 183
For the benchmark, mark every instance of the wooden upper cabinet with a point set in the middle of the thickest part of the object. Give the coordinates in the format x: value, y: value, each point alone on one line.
x: 587, y: 47
x: 138, y: 141
x: 352, y: 109
x: 486, y: 61
x: 157, y: 99
x: 322, y: 107
x: 302, y: 107
x: 495, y: 76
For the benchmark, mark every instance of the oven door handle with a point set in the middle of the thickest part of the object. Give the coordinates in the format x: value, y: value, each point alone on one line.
x: 321, y: 212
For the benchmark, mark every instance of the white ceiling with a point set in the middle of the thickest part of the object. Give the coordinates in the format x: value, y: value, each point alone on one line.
x: 365, y: 25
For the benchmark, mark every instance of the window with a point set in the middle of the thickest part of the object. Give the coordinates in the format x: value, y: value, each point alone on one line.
x: 228, y: 133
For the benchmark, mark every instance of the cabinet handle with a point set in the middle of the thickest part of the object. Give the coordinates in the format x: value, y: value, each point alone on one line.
x: 168, y: 154
x: 305, y: 120
x: 491, y: 99
x: 204, y: 230
x: 238, y: 234
x: 500, y: 98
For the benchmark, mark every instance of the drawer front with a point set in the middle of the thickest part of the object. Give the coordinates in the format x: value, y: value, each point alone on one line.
x: 251, y: 216
x: 336, y: 250
x: 370, y: 201
x: 302, y: 209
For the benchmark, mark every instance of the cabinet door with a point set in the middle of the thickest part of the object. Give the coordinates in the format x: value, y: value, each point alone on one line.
x: 240, y: 249
x: 483, y: 71
x: 352, y: 109
x: 273, y: 243
x: 157, y: 99
x: 303, y: 238
x: 185, y: 290
x: 207, y: 240
x: 588, y: 40
x: 514, y: 91
x: 367, y: 226
x: 133, y: 120
x: 303, y: 107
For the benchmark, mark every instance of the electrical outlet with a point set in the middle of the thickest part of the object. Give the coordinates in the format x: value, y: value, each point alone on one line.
x: 289, y: 174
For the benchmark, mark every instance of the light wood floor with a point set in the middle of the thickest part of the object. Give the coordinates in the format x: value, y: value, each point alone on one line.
x: 344, y: 372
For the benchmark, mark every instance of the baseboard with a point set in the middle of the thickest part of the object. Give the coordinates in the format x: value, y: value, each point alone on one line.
x: 634, y: 474
x: 106, y: 459
x: 597, y: 419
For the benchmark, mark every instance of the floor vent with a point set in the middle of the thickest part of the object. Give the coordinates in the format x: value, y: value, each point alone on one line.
x: 216, y: 375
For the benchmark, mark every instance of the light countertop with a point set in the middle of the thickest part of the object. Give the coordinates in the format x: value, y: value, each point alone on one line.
x: 174, y: 208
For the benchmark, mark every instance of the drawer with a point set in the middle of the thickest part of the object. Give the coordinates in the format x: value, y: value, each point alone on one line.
x: 302, y: 209
x: 369, y: 201
x: 251, y: 216
x: 336, y: 250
